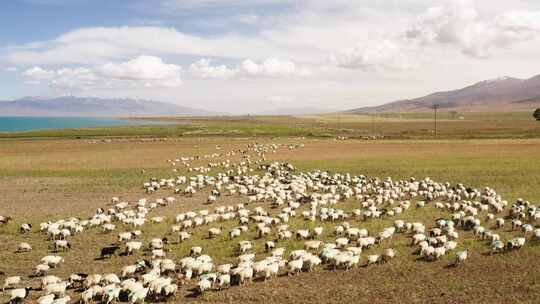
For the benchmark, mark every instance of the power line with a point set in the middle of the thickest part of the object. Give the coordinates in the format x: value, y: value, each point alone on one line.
x: 435, y: 107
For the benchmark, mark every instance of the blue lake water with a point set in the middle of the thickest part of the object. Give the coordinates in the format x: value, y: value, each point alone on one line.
x: 13, y: 124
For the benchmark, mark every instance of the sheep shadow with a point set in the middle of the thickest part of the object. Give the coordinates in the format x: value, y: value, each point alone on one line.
x: 193, y: 293
x: 451, y: 265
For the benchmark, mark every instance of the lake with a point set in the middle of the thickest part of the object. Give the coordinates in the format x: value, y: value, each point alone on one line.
x: 14, y: 124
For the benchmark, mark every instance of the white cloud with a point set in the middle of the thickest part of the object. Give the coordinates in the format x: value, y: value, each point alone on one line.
x: 151, y: 72
x: 459, y: 24
x: 143, y: 71
x: 204, y: 69
x: 374, y: 54
x: 272, y: 67
x: 146, y: 68
x: 37, y: 74
x: 269, y: 68
x: 98, y: 45
x: 11, y: 69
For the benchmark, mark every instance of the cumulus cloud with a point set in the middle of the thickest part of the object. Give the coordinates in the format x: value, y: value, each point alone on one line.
x: 38, y: 74
x: 459, y: 23
x: 269, y: 68
x: 272, y: 67
x: 143, y: 71
x: 374, y: 54
x: 149, y: 69
x: 204, y: 69
x: 151, y: 72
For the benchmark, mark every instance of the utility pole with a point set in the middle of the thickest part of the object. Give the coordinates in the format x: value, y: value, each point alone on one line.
x: 435, y: 107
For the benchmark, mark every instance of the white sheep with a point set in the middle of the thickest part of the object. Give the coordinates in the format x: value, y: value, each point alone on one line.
x: 195, y: 251
x: 47, y: 299
x: 294, y: 266
x: 18, y: 295
x: 461, y: 256
x: 111, y: 293
x: 48, y: 280
x: 133, y: 246
x: 373, y: 259
x: 41, y: 269
x: 24, y: 247
x: 138, y: 296
x: 245, y: 246
x: 204, y: 285
x: 11, y: 281
x: 52, y: 260
x: 58, y: 289
x: 223, y: 281
x: 65, y: 300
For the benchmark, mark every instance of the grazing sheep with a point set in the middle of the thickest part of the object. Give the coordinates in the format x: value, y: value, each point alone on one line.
x: 18, y: 295
x: 111, y: 293
x: 24, y: 228
x: 294, y: 266
x: 389, y: 254
x: 108, y: 252
x: 312, y: 245
x: 195, y: 251
x: 24, y: 247
x: 223, y: 281
x: 138, y: 296
x: 41, y: 269
x: 11, y: 281
x: 5, y: 219
x: 269, y: 245
x: 213, y: 232
x: 48, y: 280
x: 245, y: 246
x: 497, y: 246
x: 133, y: 246
x: 204, y: 285
x: 47, y: 299
x: 372, y: 259
x: 58, y: 289
x: 61, y: 245
x: 536, y: 234
x: 461, y: 256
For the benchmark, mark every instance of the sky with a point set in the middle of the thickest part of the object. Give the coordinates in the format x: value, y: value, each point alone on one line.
x: 252, y: 56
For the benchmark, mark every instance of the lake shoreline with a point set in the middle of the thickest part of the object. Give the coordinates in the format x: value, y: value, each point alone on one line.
x: 9, y: 124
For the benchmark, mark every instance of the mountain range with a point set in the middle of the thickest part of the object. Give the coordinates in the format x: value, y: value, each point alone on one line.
x: 91, y: 106
x: 501, y: 94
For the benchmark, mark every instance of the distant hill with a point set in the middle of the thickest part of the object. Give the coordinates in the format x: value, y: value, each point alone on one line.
x: 501, y: 94
x: 90, y: 106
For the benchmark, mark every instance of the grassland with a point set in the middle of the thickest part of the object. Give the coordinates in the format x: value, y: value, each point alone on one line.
x: 42, y: 179
x: 391, y: 126
x: 55, y: 178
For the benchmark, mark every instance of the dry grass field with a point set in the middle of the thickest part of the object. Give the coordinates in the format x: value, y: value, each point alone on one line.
x: 49, y: 179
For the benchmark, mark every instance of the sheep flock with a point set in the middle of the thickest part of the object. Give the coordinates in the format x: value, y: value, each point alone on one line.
x: 283, y: 222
